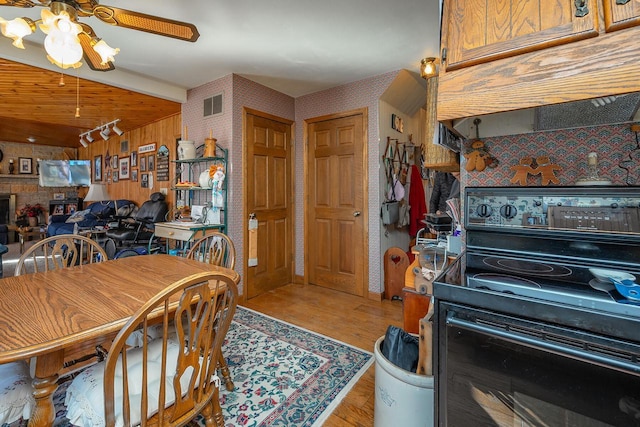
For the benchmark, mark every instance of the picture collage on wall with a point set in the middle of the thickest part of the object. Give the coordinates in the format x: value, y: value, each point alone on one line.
x: 138, y: 166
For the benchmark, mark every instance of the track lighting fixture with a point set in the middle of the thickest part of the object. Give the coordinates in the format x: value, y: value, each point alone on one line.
x: 104, y: 130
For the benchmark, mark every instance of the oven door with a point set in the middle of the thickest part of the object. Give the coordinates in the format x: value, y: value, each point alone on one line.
x: 499, y: 370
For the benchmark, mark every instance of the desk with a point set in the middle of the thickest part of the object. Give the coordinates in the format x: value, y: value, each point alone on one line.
x: 184, y: 231
x: 46, y: 314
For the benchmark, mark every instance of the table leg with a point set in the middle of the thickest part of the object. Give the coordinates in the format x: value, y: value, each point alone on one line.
x: 45, y: 384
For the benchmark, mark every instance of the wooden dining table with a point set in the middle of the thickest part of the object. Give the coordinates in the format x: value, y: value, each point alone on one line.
x: 45, y: 316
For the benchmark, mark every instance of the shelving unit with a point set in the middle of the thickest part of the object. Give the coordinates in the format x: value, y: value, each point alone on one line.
x: 189, y: 171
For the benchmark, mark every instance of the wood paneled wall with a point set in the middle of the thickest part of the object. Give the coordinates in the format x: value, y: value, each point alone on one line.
x: 162, y: 132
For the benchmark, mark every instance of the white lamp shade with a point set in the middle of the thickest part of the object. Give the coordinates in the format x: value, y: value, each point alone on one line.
x: 16, y: 29
x: 62, y: 43
x: 105, y: 51
x: 97, y: 193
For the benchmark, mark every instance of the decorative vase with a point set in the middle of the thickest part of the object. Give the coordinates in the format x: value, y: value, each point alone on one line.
x: 205, y: 180
x: 186, y: 150
x: 210, y: 147
x: 33, y: 221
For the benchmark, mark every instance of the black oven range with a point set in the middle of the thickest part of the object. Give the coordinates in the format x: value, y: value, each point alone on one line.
x: 530, y: 328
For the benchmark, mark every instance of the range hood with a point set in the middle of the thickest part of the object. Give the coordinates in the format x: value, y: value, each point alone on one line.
x: 591, y: 112
x: 578, y: 114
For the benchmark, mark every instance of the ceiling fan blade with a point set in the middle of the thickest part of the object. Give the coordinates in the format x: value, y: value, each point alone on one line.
x: 91, y: 57
x: 17, y: 3
x: 148, y: 23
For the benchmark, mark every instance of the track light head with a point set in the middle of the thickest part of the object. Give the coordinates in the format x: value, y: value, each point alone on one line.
x: 104, y: 133
x: 88, y: 137
x: 116, y: 129
x: 83, y: 142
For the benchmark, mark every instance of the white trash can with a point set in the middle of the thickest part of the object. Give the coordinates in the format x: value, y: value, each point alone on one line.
x: 402, y: 398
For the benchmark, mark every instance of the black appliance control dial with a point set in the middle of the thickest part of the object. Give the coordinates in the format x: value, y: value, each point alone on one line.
x: 614, y: 205
x: 537, y: 203
x: 508, y: 211
x: 484, y: 210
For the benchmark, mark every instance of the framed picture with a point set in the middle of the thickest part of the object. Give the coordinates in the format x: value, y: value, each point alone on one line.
x: 144, y: 180
x: 151, y: 162
x: 134, y: 159
x: 58, y: 196
x: 25, y: 164
x: 58, y: 210
x: 71, y: 208
x: 143, y: 163
x: 124, y: 146
x: 114, y: 162
x: 134, y: 175
x: 115, y: 175
x: 124, y: 167
x: 97, y: 168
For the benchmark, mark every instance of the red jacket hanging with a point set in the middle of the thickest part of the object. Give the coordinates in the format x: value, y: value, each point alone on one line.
x: 416, y: 201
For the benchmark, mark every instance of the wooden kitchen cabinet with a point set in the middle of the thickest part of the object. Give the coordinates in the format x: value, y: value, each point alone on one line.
x: 498, y: 61
x: 619, y: 16
x: 480, y: 31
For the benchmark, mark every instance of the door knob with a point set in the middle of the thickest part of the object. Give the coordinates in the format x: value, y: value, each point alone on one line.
x: 356, y: 213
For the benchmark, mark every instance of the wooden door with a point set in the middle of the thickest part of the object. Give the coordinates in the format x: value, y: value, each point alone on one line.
x: 268, y: 194
x: 620, y: 16
x: 479, y: 31
x: 335, y: 246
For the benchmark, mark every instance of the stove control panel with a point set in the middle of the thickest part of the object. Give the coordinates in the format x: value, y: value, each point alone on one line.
x: 590, y: 209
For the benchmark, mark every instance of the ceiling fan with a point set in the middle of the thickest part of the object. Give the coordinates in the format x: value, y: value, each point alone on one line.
x: 69, y: 40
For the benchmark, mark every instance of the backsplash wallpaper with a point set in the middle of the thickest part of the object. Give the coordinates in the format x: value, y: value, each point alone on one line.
x: 566, y: 155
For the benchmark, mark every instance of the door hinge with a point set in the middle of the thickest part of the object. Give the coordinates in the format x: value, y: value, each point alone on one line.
x: 444, y: 55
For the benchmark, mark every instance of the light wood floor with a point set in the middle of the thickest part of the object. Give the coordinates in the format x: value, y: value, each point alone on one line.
x: 354, y: 320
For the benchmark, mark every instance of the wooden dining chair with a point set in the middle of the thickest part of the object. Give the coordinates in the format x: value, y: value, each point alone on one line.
x: 63, y: 251
x: 57, y: 252
x: 216, y: 249
x: 171, y: 379
x: 16, y: 392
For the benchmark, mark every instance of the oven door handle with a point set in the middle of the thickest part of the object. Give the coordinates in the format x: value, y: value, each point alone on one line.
x: 535, y: 342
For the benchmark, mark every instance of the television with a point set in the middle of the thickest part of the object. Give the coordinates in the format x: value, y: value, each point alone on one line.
x: 65, y: 173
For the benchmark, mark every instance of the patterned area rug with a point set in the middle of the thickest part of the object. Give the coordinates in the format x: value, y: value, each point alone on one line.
x: 284, y: 375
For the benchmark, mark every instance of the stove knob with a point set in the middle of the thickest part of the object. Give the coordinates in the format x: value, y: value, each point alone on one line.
x: 537, y: 203
x: 614, y: 205
x: 508, y: 211
x: 484, y: 210
x: 559, y: 204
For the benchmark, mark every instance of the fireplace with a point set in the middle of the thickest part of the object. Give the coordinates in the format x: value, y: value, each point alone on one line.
x: 7, y: 208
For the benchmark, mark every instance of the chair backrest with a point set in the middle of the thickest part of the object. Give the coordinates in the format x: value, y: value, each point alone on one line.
x: 61, y: 251
x: 181, y: 363
x: 153, y: 210
x: 215, y: 248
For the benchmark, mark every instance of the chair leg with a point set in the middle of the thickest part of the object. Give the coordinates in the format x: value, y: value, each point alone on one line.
x: 212, y: 413
x: 224, y: 370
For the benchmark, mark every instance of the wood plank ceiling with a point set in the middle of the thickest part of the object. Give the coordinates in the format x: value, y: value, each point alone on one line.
x: 32, y: 104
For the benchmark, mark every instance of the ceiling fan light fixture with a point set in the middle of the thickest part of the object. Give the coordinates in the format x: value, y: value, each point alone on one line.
x: 16, y: 29
x: 62, y: 43
x: 106, y: 52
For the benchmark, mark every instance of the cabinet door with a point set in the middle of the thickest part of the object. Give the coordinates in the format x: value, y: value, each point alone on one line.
x: 619, y: 16
x: 479, y: 31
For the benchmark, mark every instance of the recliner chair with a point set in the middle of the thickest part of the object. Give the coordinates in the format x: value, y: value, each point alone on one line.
x: 139, y: 229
